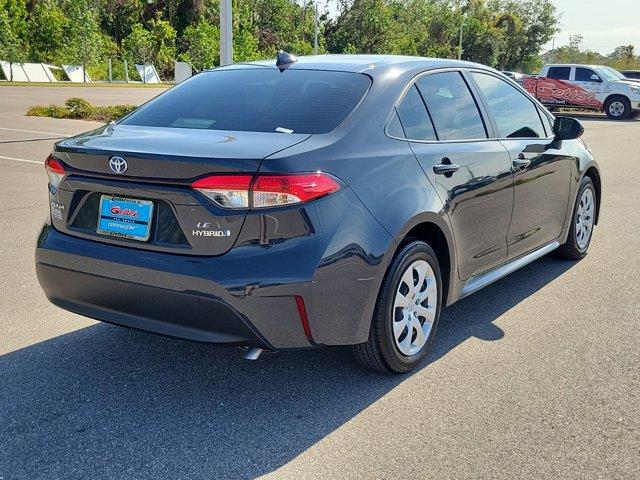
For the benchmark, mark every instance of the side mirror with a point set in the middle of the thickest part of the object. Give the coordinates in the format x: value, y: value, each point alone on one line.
x: 567, y: 128
x: 595, y: 78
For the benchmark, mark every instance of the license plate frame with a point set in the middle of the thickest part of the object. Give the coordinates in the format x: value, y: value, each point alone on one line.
x: 123, y: 217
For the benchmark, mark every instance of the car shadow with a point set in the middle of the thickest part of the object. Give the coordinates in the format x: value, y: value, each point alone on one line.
x: 105, y: 401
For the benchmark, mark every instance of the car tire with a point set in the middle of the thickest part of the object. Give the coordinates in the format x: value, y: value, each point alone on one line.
x: 617, y: 107
x: 582, y: 223
x: 389, y: 348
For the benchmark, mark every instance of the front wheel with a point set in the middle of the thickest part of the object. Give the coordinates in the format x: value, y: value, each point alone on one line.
x: 582, y: 222
x: 618, y: 108
x: 406, y: 314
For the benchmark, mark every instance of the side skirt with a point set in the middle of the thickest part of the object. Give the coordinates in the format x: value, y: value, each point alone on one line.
x: 476, y: 283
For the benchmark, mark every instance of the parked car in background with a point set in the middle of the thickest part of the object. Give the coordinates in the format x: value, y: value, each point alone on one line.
x: 328, y: 200
x: 632, y: 74
x: 620, y: 75
x: 587, y: 87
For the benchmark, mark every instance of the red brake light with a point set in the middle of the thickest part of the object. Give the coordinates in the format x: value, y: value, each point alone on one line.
x: 55, y: 171
x: 229, y: 191
x: 233, y: 191
x: 276, y: 190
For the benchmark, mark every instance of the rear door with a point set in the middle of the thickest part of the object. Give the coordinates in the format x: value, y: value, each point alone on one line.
x: 541, y: 173
x: 471, y: 173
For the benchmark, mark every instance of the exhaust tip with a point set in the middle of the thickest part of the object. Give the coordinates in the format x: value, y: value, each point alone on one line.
x: 252, y: 354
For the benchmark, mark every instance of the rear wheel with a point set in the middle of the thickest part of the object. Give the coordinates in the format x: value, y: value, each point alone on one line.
x: 618, y: 107
x: 406, y: 314
x: 582, y: 222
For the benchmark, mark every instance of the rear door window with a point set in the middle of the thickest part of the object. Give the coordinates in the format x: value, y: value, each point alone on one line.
x: 414, y: 117
x: 451, y: 106
x: 516, y: 115
x: 257, y: 100
x: 559, y: 73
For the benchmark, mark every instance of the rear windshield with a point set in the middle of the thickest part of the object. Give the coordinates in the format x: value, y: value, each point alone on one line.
x: 257, y: 100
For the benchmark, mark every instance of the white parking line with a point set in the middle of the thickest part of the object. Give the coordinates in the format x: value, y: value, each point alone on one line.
x: 35, y: 131
x: 24, y: 160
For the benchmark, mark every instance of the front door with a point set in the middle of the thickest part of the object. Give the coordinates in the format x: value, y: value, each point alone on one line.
x: 588, y: 80
x: 541, y: 174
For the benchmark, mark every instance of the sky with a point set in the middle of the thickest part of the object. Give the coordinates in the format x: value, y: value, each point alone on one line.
x: 604, y: 24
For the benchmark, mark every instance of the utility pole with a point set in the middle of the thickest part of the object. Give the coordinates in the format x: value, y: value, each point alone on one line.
x: 315, y: 29
x: 226, y: 33
x: 460, y: 41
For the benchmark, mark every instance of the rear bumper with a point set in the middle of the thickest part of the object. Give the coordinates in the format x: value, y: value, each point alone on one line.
x: 331, y: 253
x: 153, y: 297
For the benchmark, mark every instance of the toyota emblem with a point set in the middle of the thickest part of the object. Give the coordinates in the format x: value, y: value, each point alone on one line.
x: 118, y: 164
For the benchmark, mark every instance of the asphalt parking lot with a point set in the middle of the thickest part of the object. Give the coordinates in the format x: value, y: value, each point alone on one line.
x: 537, y: 376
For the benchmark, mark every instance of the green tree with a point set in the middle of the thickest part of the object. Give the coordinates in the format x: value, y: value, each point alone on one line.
x: 84, y: 41
x: 362, y: 26
x: 155, y: 45
x: 16, y: 11
x: 48, y: 27
x: 11, y: 48
x: 624, y: 56
x: 245, y: 42
x: 139, y: 45
x: 119, y: 17
x: 202, y: 45
x: 538, y: 23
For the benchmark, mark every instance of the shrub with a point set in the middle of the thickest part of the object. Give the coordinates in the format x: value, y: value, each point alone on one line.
x: 79, y: 108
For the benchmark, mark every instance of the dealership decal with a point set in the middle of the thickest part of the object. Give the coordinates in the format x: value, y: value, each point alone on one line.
x: 56, y: 210
x: 553, y: 91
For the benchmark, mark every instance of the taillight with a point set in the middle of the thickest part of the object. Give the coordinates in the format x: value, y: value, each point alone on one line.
x: 234, y: 191
x: 55, y: 171
x: 228, y: 191
x: 277, y: 190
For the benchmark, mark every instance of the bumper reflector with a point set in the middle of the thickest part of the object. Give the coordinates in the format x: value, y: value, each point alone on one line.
x: 302, y: 311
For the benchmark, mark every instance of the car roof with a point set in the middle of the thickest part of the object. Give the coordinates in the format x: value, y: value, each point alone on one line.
x: 574, y: 65
x: 373, y: 65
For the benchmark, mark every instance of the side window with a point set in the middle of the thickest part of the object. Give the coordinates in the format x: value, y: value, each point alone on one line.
x: 559, y: 73
x: 414, y: 118
x: 515, y: 114
x: 548, y: 123
x: 453, y: 110
x: 395, y: 129
x: 587, y: 75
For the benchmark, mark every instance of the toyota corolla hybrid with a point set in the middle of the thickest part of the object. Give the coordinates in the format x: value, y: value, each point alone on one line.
x: 328, y: 200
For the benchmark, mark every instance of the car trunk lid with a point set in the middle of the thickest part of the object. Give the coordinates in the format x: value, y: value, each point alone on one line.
x: 162, y: 163
x: 170, y: 154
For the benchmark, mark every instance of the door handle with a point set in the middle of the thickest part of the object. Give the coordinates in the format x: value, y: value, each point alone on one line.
x: 446, y: 168
x: 522, y: 162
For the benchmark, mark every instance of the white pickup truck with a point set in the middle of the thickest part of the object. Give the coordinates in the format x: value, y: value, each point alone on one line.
x: 590, y: 87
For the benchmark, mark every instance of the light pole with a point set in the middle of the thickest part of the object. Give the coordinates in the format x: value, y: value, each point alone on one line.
x: 226, y: 33
x: 315, y: 29
x: 464, y: 17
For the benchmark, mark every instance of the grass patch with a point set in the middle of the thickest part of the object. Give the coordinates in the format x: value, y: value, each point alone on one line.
x: 80, y: 109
